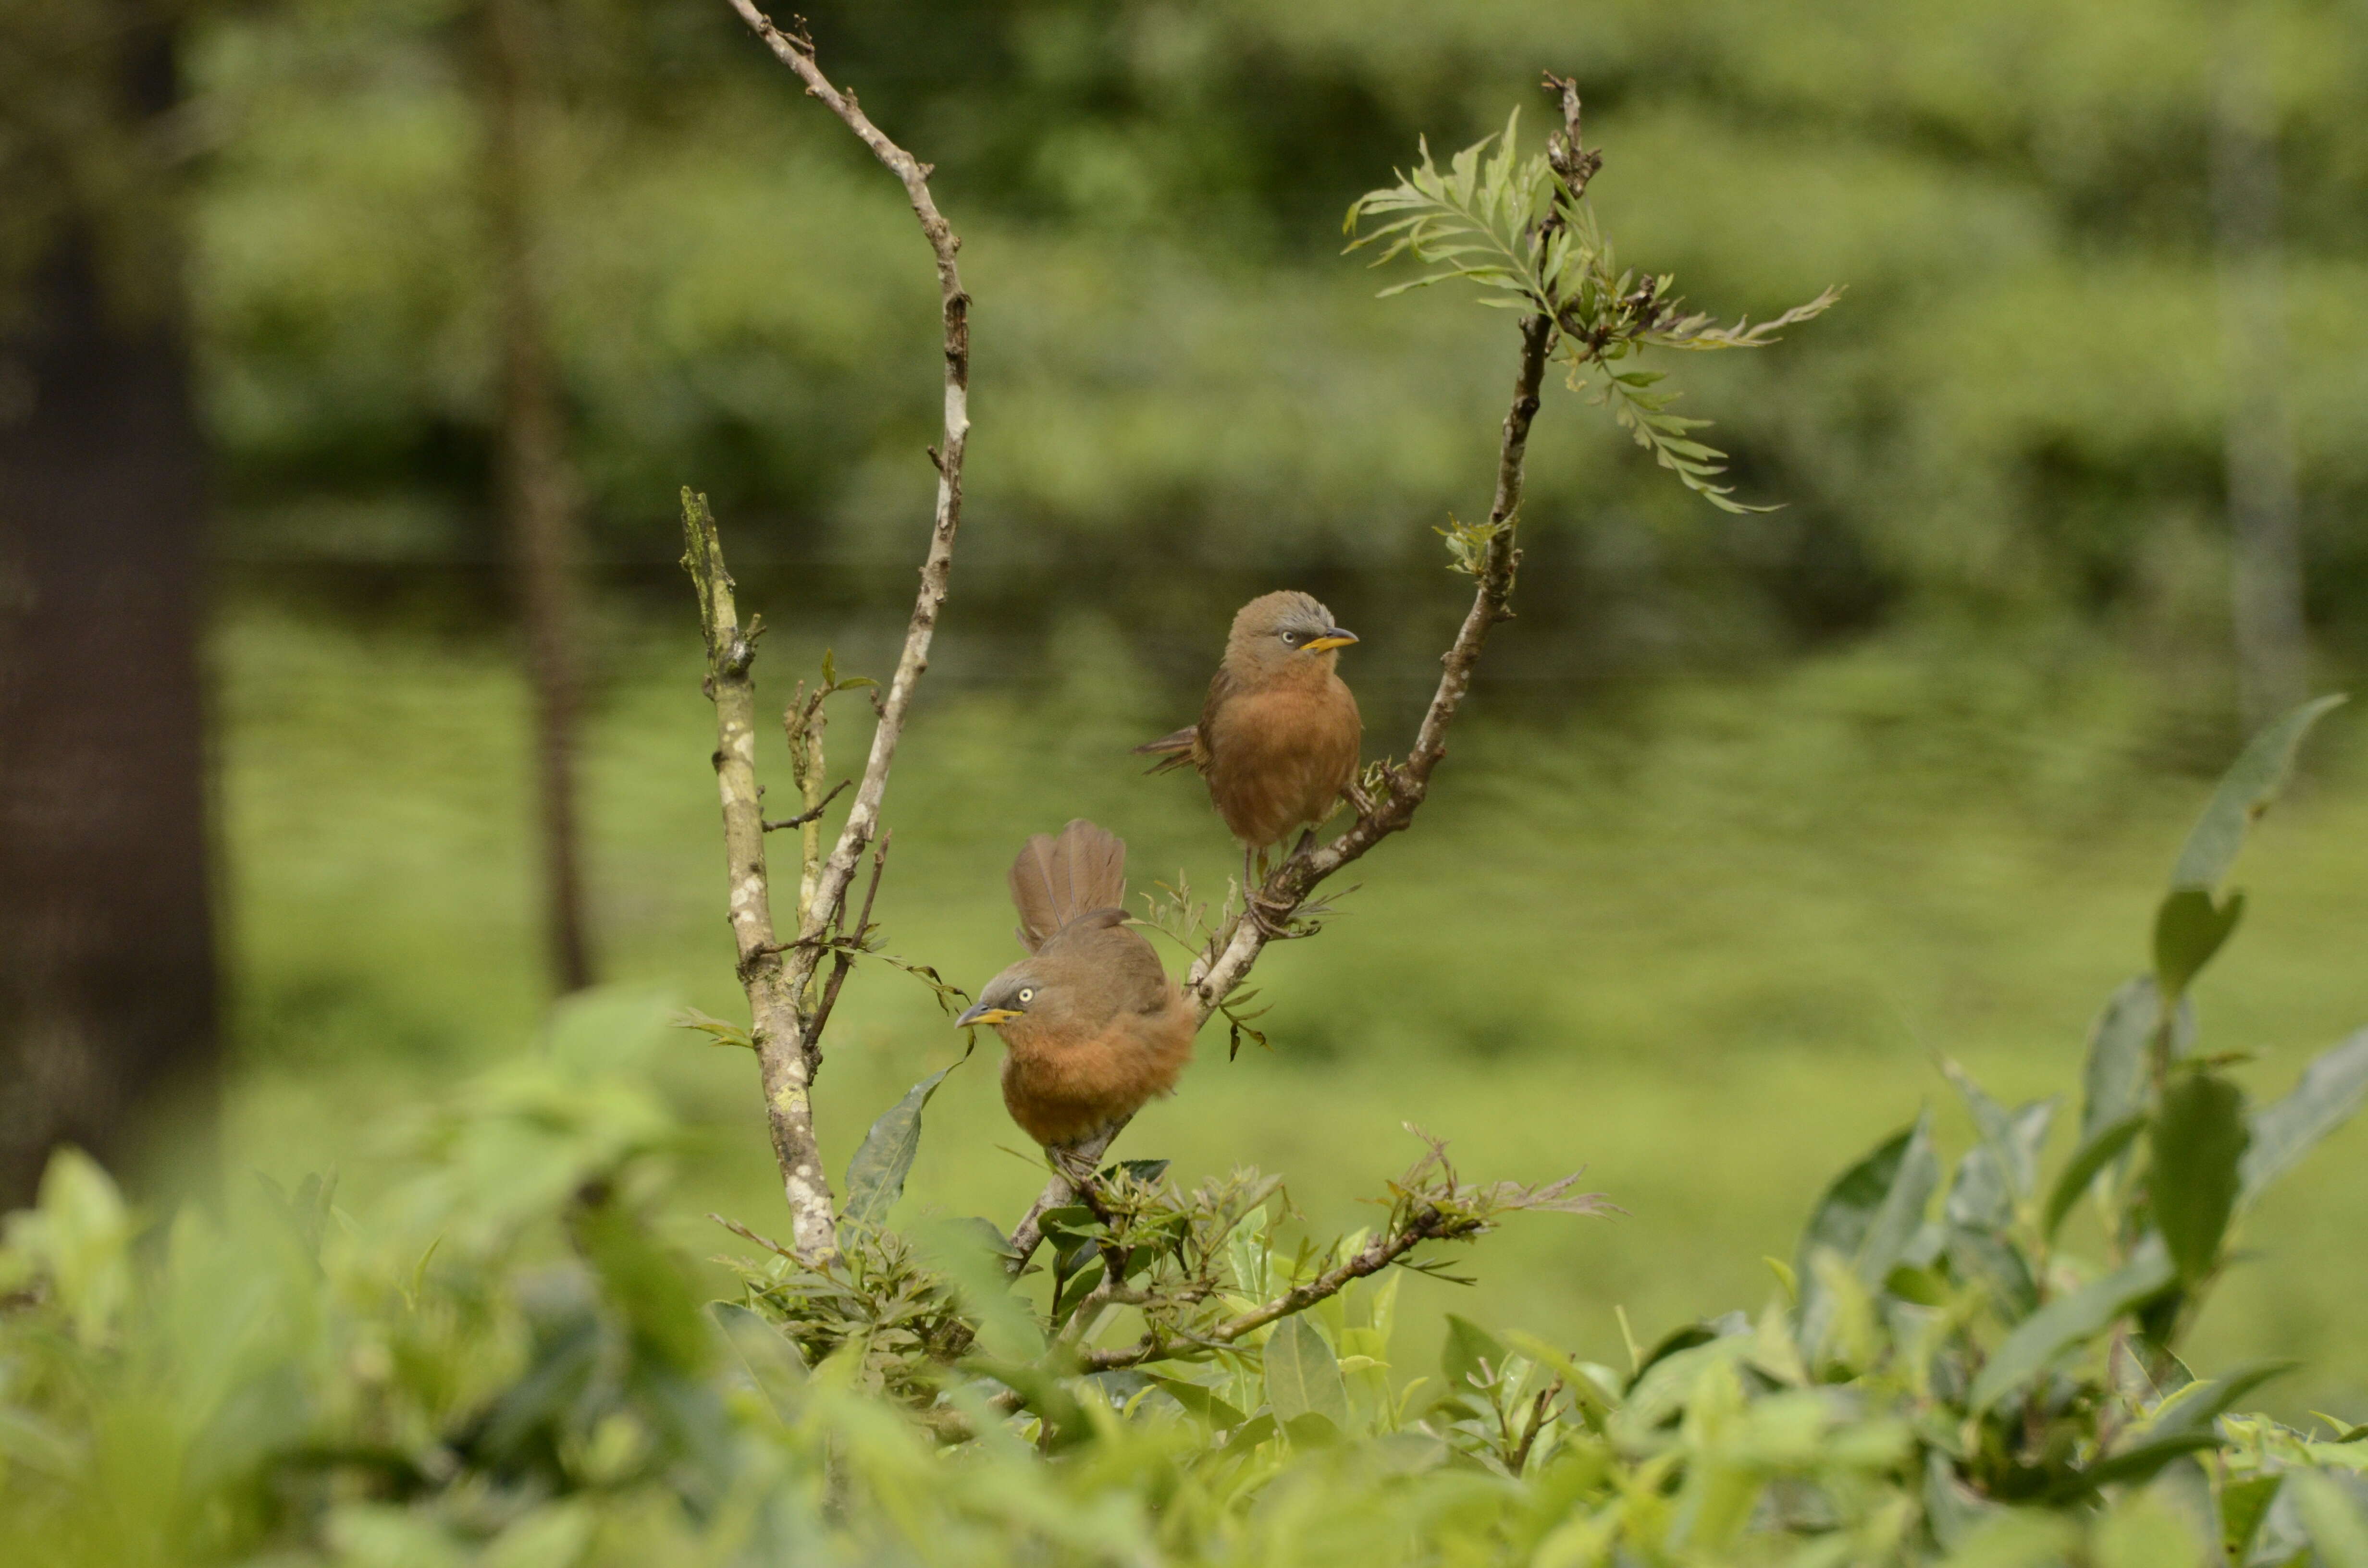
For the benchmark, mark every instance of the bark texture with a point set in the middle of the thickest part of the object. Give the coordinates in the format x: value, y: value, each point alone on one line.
x: 786, y: 1063
x: 108, y: 987
x: 538, y: 492
x: 787, y: 1014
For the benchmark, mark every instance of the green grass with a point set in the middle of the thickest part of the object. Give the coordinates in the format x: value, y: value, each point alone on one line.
x: 1705, y: 943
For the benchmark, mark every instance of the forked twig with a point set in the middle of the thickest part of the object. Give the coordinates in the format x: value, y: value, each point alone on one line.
x: 786, y: 1019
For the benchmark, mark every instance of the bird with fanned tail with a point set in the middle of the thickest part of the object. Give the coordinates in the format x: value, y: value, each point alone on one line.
x: 1092, y: 1025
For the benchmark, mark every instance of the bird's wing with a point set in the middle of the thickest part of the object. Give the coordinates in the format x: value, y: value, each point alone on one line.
x: 1142, y: 985
x: 1190, y: 744
x: 1059, y: 878
x: 1111, y: 969
x: 1222, y: 688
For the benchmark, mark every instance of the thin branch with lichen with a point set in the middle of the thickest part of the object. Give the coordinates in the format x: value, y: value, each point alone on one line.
x: 786, y: 1015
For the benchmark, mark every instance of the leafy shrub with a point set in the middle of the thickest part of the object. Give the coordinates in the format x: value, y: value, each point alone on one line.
x: 499, y: 1364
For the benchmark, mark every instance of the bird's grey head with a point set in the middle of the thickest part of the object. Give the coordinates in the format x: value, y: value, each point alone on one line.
x: 1275, y: 629
x: 1005, y: 997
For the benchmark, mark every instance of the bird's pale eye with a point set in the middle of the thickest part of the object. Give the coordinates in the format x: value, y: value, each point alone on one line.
x: 1028, y: 993
x: 1291, y: 638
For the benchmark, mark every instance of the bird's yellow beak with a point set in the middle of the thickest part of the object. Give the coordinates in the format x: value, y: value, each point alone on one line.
x: 1335, y: 638
x: 982, y: 1014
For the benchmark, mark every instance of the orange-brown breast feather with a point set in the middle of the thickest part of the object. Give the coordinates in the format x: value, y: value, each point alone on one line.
x: 1122, y: 1039
x: 1281, y: 755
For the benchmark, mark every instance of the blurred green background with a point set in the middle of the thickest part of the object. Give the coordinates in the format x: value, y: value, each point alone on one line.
x: 1752, y: 815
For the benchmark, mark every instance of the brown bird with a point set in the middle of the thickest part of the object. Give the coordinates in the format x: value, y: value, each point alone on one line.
x: 1092, y: 1026
x: 1277, y: 738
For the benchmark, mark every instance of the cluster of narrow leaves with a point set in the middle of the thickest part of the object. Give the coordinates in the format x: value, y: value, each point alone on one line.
x: 1184, y: 1275
x: 1518, y: 227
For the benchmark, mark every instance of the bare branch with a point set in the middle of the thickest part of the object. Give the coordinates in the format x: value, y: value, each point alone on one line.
x: 785, y: 1065
x: 802, y: 726
x: 811, y: 815
x: 849, y: 945
x: 745, y: 1234
x: 1428, y: 1225
x: 1427, y: 1204
x: 786, y: 1019
x: 863, y: 817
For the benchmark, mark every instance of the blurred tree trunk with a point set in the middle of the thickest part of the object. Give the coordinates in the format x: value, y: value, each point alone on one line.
x: 108, y: 1028
x: 2264, y: 514
x: 538, y: 492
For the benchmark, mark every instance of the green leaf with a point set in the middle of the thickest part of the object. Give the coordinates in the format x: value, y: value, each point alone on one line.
x: 2114, y: 1080
x: 1467, y: 1346
x: 875, y: 1177
x: 1070, y: 1225
x: 1920, y: 1286
x: 2026, y: 1140
x: 2070, y: 1320
x: 2246, y: 791
x: 765, y: 1353
x: 2243, y: 1505
x: 647, y: 1285
x: 2200, y: 1404
x: 722, y: 1033
x: 1302, y: 1376
x: 2134, y: 1465
x: 1313, y: 1430
x: 2003, y: 1166
x: 1987, y: 1259
x: 1676, y: 1342
x: 1587, y: 1395
x: 2091, y: 1157
x: 988, y: 1233
x: 1953, y: 1509
x: 1200, y: 1402
x: 1080, y: 1285
x: 2333, y: 1519
x: 2196, y: 1143
x: 1009, y: 1330
x: 2188, y: 929
x: 1871, y: 1209
x: 2329, y: 1094
x: 1259, y: 1428
x: 1978, y: 1195
x: 2016, y: 1135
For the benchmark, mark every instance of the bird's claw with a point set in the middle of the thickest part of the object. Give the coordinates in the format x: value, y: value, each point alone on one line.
x: 1273, y: 928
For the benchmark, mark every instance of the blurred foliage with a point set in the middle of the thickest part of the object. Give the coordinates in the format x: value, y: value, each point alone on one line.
x: 502, y: 1363
x: 1703, y: 920
x: 2016, y: 411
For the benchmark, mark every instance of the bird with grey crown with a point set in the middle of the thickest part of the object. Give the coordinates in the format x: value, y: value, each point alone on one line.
x: 1092, y: 1025
x: 1277, y: 738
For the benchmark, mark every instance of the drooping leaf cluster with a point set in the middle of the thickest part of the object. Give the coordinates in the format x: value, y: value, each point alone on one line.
x: 1519, y: 228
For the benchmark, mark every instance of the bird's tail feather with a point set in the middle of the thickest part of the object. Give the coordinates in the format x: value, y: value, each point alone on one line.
x: 1173, y: 750
x: 1059, y: 877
